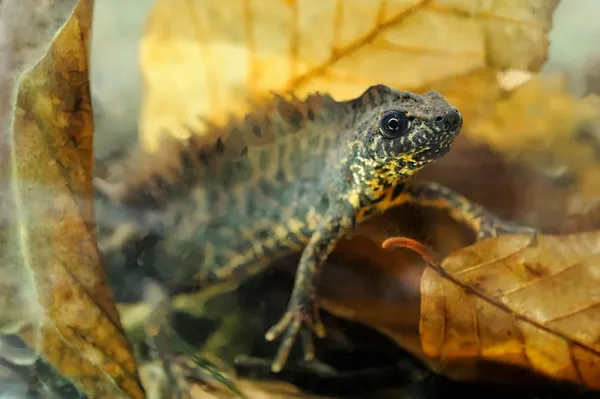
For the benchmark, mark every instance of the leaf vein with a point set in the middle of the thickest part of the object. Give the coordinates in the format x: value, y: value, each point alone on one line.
x: 337, y: 53
x: 497, y: 303
x: 542, y: 279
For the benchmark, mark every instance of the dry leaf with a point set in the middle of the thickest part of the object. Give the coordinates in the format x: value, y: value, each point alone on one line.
x: 504, y: 300
x: 207, y: 59
x: 535, y: 113
x: 49, y: 163
x: 544, y: 123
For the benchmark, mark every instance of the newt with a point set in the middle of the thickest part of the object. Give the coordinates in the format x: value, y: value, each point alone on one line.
x: 292, y: 176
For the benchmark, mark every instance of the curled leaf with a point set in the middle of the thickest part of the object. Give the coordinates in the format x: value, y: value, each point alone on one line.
x: 48, y: 162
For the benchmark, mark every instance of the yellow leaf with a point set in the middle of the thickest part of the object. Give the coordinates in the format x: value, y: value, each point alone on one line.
x: 73, y: 323
x: 540, y: 123
x: 207, y: 59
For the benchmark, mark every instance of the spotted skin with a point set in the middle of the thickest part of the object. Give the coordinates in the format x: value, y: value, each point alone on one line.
x: 293, y: 176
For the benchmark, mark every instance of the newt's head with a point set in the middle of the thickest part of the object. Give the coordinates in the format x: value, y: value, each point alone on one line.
x: 399, y: 133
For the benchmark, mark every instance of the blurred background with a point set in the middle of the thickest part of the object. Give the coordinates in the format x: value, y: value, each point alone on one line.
x: 116, y: 79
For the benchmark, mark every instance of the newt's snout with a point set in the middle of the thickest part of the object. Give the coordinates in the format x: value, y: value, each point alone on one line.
x: 450, y: 121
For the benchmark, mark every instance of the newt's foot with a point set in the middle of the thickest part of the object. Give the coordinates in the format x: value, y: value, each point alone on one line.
x: 494, y: 227
x: 300, y: 318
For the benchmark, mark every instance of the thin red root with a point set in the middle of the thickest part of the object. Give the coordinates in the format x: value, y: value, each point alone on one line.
x: 405, y: 242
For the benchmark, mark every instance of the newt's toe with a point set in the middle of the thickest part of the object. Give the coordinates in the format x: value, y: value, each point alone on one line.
x: 294, y: 322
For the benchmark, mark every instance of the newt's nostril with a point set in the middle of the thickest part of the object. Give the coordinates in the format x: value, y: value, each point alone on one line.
x: 451, y: 121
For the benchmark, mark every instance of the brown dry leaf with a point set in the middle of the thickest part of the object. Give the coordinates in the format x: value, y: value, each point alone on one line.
x: 49, y: 163
x: 509, y: 302
x: 207, y: 59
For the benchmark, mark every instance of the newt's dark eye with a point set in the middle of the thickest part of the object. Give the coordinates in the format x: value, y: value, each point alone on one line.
x: 394, y: 124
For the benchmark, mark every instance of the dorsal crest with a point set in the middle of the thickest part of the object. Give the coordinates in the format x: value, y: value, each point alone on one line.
x: 223, y: 151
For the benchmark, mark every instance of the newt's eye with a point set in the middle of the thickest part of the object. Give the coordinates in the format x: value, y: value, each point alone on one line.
x: 393, y: 124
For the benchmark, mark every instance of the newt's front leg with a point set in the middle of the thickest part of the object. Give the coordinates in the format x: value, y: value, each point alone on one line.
x: 483, y: 222
x: 302, y: 315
